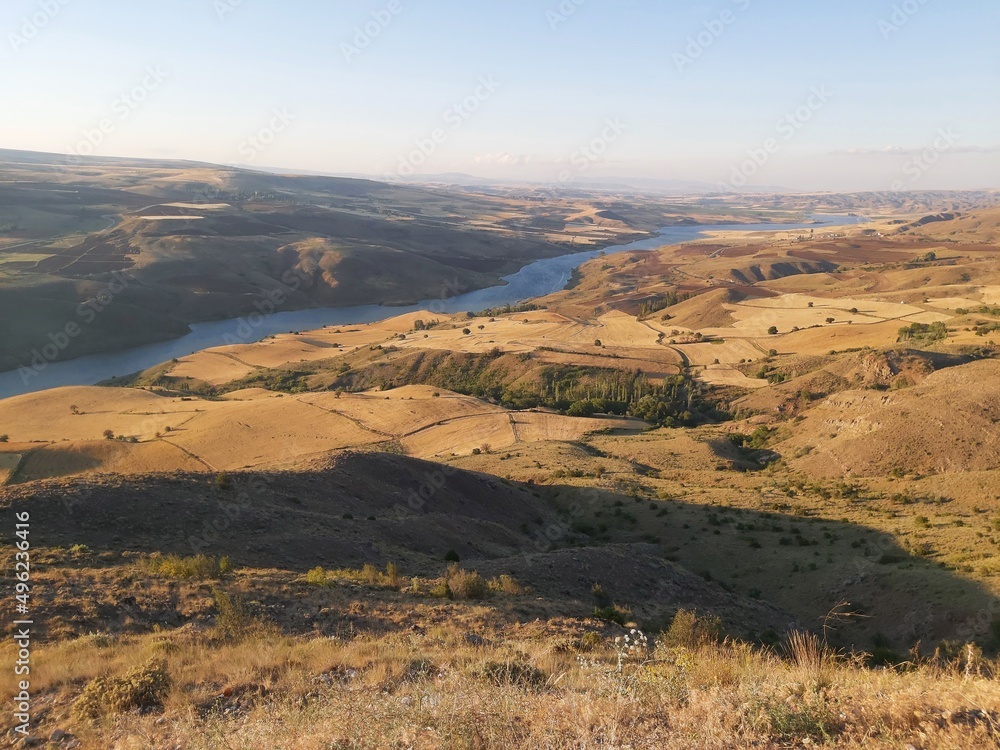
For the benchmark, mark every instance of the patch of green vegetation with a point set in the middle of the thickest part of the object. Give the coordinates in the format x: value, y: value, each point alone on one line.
x: 662, y: 302
x: 281, y: 381
x: 494, y: 312
x: 198, y: 567
x: 926, y: 332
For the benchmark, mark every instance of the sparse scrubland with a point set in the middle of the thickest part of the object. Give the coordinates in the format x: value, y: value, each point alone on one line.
x: 454, y: 684
x: 739, y: 493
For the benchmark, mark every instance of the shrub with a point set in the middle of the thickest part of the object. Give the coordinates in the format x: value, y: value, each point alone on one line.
x: 689, y: 630
x: 317, y: 577
x: 466, y: 584
x: 140, y: 688
x: 516, y: 673
x: 506, y: 584
x: 442, y: 591
x: 611, y: 614
x: 223, y: 481
x: 234, y: 622
x: 4, y: 438
x: 195, y: 567
x: 392, y: 577
x: 368, y: 575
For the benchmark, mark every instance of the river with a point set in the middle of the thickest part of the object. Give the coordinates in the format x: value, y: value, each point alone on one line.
x: 534, y: 280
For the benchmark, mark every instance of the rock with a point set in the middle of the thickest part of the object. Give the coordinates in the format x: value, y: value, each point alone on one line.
x: 58, y: 736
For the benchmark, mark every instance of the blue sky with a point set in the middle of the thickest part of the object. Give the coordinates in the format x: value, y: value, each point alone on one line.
x: 856, y: 94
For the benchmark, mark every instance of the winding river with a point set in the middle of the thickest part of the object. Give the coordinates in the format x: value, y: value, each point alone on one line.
x: 535, y: 280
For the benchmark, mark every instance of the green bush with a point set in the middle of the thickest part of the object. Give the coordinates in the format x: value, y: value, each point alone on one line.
x: 317, y: 577
x: 442, y: 591
x: 199, y: 567
x: 611, y: 614
x: 923, y: 332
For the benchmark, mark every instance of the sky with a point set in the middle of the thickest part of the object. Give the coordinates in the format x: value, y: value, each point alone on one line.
x: 740, y: 94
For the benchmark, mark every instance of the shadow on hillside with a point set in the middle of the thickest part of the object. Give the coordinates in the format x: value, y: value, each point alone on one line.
x: 881, y: 595
x: 649, y: 556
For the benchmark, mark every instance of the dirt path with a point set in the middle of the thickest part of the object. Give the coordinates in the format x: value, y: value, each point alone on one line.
x: 189, y: 454
x: 357, y: 422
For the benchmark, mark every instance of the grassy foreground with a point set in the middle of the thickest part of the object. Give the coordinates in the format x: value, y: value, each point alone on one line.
x: 243, y: 684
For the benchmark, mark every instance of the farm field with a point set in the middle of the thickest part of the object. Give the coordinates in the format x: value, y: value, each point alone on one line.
x: 256, y: 428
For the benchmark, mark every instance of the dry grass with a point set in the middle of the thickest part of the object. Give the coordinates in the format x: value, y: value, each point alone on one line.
x: 438, y: 690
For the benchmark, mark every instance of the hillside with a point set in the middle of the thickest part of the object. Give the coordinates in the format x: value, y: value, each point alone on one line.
x: 171, y: 243
x: 772, y: 453
x: 944, y: 425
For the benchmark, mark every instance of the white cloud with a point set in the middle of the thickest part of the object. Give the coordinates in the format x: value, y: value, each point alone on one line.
x: 504, y: 158
x: 914, y: 150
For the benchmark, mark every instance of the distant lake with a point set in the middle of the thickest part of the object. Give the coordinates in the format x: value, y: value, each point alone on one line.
x: 535, y: 280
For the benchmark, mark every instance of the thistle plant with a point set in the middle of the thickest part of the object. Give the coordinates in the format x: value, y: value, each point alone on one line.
x: 632, y: 645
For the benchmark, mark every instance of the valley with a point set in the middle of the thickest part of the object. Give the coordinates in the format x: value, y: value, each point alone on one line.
x: 766, y: 427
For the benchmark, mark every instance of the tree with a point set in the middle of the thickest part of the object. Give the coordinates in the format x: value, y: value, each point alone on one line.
x: 109, y: 434
x: 74, y: 409
x: 419, y: 325
x: 773, y: 330
x: 597, y: 343
x: 466, y: 331
x: 4, y: 438
x: 584, y: 408
x: 829, y: 320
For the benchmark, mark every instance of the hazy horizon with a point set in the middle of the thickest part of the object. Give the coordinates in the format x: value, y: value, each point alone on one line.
x: 734, y: 93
